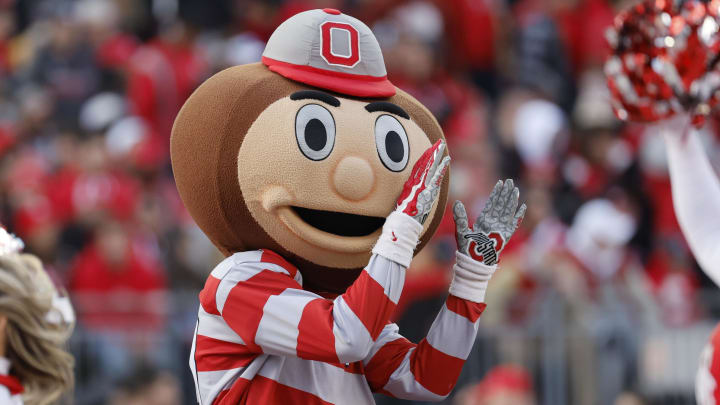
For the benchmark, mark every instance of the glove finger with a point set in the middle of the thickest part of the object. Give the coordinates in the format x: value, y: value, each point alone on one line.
x: 460, y: 217
x: 511, y: 205
x: 440, y: 172
x: 488, y: 205
x: 426, y: 173
x: 507, y: 193
x: 439, y: 149
x: 502, y: 199
x: 497, y: 190
x: 423, y: 164
x: 461, y: 222
x: 519, y: 216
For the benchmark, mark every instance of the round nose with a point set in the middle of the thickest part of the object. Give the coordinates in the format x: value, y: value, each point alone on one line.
x: 354, y: 178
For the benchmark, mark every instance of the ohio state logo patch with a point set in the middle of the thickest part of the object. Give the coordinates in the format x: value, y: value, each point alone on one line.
x: 339, y: 44
x: 484, y: 248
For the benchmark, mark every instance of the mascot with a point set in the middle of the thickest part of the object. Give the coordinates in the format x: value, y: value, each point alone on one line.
x: 319, y: 179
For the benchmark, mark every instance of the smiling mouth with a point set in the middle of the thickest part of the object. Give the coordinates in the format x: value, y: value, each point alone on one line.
x: 339, y: 223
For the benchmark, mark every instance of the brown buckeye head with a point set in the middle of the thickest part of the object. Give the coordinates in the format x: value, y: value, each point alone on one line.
x: 262, y: 162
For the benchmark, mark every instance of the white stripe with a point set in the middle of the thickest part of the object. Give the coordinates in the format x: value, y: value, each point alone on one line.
x: 6, y: 398
x: 388, y: 334
x: 238, y: 258
x: 277, y: 331
x: 387, y: 273
x: 352, y: 339
x: 193, y: 369
x: 214, y: 326
x: 298, y: 277
x: 331, y: 383
x: 239, y: 273
x: 222, y: 268
x: 413, y: 192
x: 452, y: 333
x: 402, y: 383
x: 251, y: 256
x: 253, y: 368
x: 213, y: 382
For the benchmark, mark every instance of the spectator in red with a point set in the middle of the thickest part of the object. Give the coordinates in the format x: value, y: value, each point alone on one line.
x: 115, y: 287
x: 162, y: 75
x: 503, y: 385
x: 91, y: 189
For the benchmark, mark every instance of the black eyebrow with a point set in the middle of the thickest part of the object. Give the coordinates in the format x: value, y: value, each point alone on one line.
x: 315, y: 95
x: 387, y: 107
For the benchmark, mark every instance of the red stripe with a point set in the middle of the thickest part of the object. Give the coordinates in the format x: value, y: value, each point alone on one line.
x: 243, y: 307
x: 416, y: 175
x: 12, y: 384
x: 268, y: 256
x: 316, y: 340
x: 236, y: 394
x: 468, y: 309
x: 343, y: 83
x: 214, y: 354
x: 385, y: 362
x: 208, y: 294
x: 266, y: 391
x: 366, y: 297
x: 436, y: 371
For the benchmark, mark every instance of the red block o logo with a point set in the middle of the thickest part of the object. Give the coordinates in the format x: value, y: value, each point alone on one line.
x: 335, y: 30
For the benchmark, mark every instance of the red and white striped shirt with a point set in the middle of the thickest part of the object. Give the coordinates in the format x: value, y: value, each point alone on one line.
x: 262, y: 339
x: 11, y: 389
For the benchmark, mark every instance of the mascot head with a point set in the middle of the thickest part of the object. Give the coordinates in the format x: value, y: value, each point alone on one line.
x: 304, y: 153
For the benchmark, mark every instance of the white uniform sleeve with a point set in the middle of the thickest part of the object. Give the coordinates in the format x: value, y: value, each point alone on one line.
x: 696, y: 197
x: 6, y: 398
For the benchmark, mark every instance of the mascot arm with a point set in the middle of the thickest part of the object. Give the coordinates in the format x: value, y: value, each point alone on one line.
x: 429, y: 370
x: 696, y: 197
x: 263, y: 302
x: 479, y: 247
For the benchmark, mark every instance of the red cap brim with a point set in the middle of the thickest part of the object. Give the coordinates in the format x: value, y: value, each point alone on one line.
x: 343, y: 83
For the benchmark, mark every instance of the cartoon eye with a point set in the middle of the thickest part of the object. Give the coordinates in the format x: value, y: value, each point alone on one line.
x: 315, y: 131
x: 392, y: 142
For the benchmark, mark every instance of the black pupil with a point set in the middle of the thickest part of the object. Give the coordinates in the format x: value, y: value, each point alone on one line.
x: 315, y: 134
x: 394, y: 147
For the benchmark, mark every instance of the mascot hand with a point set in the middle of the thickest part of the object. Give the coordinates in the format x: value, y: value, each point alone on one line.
x: 423, y: 186
x: 493, y: 228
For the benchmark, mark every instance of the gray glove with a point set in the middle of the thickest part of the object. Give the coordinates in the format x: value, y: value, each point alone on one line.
x: 493, y: 228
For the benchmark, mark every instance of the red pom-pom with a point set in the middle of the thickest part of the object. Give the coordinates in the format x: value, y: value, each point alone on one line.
x: 665, y: 60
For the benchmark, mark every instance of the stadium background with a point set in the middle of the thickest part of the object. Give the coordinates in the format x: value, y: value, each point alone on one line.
x: 598, y: 301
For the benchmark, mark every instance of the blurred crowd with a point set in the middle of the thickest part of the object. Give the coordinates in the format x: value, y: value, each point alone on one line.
x: 89, y: 90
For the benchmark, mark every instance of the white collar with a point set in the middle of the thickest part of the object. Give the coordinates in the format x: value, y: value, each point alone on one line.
x: 4, y: 366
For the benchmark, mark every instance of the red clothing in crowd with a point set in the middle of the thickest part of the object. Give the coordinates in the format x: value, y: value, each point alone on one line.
x: 129, y: 295
x: 73, y: 193
x: 162, y: 76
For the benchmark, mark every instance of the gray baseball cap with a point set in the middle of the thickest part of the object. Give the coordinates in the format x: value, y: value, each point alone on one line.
x: 330, y: 50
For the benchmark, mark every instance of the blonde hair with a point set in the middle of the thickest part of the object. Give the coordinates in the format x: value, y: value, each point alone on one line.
x: 35, y: 346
